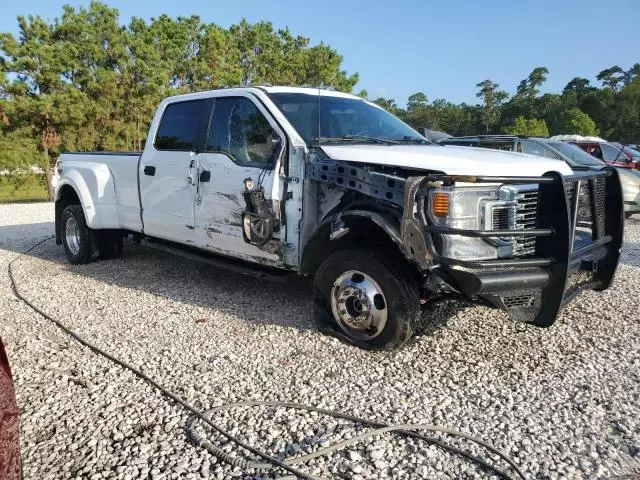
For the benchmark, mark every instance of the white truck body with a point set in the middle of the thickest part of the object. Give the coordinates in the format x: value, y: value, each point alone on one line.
x: 112, y: 198
x: 244, y: 173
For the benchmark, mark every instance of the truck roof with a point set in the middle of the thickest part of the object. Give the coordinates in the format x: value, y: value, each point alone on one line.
x: 265, y: 89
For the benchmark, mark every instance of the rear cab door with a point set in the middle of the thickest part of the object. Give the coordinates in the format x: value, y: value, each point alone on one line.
x: 167, y: 172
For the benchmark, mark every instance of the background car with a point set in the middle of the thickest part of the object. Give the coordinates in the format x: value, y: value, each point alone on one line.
x: 628, y: 150
x: 9, y: 423
x: 610, y: 153
x: 570, y: 153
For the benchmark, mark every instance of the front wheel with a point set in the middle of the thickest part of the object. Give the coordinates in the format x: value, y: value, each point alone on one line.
x: 366, y: 301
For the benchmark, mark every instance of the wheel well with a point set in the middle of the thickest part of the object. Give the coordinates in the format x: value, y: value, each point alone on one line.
x: 364, y: 233
x: 68, y: 196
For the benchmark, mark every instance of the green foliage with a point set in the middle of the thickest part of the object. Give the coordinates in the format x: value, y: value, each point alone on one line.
x: 611, y: 77
x: 528, y: 88
x: 492, y: 98
x: 575, y: 121
x: 23, y: 188
x: 627, y: 104
x: 530, y: 127
x: 86, y: 82
x: 389, y: 104
x: 612, y: 111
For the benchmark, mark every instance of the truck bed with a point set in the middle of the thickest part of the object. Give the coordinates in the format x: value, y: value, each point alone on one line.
x: 112, y: 182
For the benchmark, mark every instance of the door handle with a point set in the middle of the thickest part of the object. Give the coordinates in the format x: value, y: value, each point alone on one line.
x: 205, y: 176
x: 150, y: 170
x: 189, y: 180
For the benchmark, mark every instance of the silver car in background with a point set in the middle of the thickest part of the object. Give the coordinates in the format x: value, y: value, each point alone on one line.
x: 573, y: 155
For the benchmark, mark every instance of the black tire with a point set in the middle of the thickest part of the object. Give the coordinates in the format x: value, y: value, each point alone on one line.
x: 109, y: 243
x: 82, y: 252
x: 400, y: 293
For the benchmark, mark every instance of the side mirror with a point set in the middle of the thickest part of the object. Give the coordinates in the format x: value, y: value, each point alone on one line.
x: 424, y: 132
x: 257, y: 229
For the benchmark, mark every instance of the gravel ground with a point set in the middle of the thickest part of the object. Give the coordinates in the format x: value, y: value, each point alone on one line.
x: 564, y: 402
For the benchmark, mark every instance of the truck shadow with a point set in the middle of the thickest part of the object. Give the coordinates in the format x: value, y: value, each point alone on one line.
x: 286, y: 302
x: 630, y: 254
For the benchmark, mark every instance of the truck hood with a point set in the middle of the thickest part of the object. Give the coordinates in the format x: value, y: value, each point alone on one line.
x: 451, y: 160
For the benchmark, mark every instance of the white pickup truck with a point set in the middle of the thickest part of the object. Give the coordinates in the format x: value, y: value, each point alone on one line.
x: 331, y: 186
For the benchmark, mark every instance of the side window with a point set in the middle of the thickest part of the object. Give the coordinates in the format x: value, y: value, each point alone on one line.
x: 239, y: 129
x: 533, y: 148
x: 610, y: 154
x: 180, y: 125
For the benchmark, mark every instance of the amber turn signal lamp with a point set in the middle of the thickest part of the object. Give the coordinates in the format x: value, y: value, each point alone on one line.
x: 440, y: 204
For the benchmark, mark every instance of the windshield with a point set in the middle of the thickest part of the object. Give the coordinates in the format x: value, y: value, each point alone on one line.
x: 342, y: 117
x: 631, y: 151
x: 576, y: 156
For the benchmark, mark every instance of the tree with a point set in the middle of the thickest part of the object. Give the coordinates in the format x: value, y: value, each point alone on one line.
x: 626, y: 126
x: 577, y: 86
x: 573, y: 121
x: 492, y: 98
x: 528, y: 127
x: 389, y: 104
x: 611, y: 77
x: 86, y: 82
x: 631, y: 74
x: 580, y: 123
x: 529, y: 87
x: 417, y: 100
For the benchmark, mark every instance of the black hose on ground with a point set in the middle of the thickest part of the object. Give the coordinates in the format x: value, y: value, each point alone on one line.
x: 269, y: 462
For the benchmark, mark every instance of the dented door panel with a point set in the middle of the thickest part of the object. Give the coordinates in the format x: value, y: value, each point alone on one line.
x: 220, y: 203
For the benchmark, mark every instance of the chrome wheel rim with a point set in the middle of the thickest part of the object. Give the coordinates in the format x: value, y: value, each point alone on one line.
x: 359, y: 305
x: 72, y: 235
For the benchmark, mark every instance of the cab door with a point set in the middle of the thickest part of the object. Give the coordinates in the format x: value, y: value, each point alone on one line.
x: 240, y: 162
x: 168, y: 168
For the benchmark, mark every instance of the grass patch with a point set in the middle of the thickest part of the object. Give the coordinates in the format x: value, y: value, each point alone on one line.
x: 23, y: 188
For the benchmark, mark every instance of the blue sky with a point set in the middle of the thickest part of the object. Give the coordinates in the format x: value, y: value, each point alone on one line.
x: 442, y: 48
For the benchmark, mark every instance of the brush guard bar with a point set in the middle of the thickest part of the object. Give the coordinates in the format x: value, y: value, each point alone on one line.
x: 579, y: 233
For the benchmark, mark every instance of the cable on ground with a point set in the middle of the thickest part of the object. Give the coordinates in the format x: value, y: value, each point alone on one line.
x: 269, y: 462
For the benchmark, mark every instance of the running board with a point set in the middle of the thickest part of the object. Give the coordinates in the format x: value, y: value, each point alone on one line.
x: 217, y: 261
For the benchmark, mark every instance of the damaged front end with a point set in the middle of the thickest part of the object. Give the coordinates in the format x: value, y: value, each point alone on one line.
x: 527, y: 245
x: 533, y: 245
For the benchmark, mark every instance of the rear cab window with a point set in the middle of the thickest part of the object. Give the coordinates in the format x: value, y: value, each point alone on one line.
x: 182, y: 125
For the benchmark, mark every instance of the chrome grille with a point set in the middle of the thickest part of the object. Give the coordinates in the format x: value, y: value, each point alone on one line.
x: 526, y: 211
x: 500, y: 220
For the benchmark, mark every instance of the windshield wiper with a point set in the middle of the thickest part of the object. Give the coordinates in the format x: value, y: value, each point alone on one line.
x: 407, y: 138
x: 358, y: 138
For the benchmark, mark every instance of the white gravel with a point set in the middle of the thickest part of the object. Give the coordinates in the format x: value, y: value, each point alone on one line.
x: 564, y: 402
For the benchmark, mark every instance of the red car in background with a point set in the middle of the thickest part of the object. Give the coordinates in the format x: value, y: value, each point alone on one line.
x: 9, y: 423
x: 609, y: 153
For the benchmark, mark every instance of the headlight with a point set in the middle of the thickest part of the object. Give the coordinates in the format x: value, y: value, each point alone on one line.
x: 473, y: 208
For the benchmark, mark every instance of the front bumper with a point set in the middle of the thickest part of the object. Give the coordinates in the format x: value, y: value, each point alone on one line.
x: 579, y: 230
